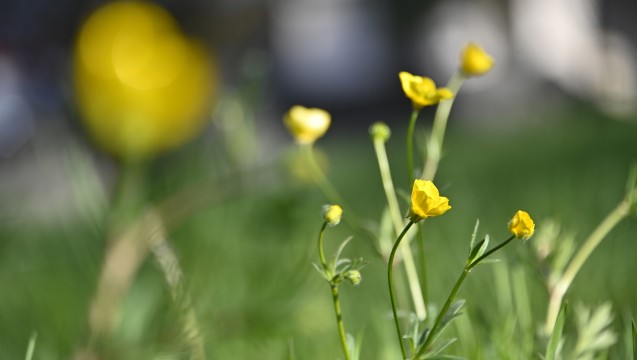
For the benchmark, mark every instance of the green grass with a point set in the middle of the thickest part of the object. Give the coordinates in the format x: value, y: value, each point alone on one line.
x: 247, y: 258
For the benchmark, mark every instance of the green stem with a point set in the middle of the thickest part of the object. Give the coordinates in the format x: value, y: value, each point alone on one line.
x: 334, y: 286
x: 452, y: 296
x: 320, y: 178
x: 397, y: 221
x: 320, y: 250
x: 422, y: 257
x: 485, y: 255
x: 434, y: 147
x: 410, y: 145
x: 443, y: 312
x: 339, y: 321
x: 594, y: 239
x: 390, y: 280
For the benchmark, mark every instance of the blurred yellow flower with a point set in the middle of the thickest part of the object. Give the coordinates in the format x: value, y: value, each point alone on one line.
x: 332, y: 214
x: 522, y: 226
x: 474, y: 61
x: 422, y: 91
x: 307, y: 124
x: 142, y: 87
x: 426, y: 201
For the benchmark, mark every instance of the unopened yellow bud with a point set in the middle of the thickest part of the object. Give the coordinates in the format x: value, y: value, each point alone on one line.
x: 332, y: 214
x: 474, y: 61
x: 522, y: 226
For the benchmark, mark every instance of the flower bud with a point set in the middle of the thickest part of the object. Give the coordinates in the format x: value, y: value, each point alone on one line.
x: 522, y: 226
x: 354, y: 276
x: 474, y: 61
x: 379, y: 131
x: 332, y: 214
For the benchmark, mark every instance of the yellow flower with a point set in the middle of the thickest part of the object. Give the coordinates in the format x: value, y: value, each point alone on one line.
x: 332, y: 214
x: 522, y: 226
x: 307, y: 124
x: 422, y: 90
x: 141, y: 86
x: 474, y: 61
x: 426, y: 201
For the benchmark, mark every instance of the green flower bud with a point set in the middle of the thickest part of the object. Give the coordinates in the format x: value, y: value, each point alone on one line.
x: 354, y: 276
x: 380, y: 131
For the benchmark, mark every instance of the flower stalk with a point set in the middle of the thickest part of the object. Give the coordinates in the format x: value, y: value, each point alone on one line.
x: 398, y: 223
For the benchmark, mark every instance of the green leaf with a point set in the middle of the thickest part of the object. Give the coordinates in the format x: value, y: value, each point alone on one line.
x: 473, y: 236
x: 556, y: 336
x: 341, y: 247
x: 475, y: 250
x: 438, y: 348
x: 452, y: 313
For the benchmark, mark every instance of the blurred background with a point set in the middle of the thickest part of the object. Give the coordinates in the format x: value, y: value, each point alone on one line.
x: 552, y: 129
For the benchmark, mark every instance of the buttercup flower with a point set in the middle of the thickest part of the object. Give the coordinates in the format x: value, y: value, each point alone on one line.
x: 426, y: 201
x: 474, y: 61
x: 307, y: 124
x: 141, y: 85
x: 522, y: 226
x: 422, y: 91
x: 332, y: 214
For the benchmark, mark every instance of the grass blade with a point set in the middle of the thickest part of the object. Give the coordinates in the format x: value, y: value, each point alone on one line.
x: 554, y: 341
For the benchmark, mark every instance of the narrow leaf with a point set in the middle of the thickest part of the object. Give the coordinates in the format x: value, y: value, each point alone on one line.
x: 474, y: 252
x: 440, y: 347
x: 556, y: 336
x: 474, y: 235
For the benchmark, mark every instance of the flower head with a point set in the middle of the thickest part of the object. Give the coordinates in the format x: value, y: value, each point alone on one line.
x: 422, y: 91
x: 426, y: 201
x: 142, y: 86
x: 379, y: 131
x: 307, y: 124
x: 332, y: 214
x: 354, y: 276
x: 474, y: 61
x: 522, y: 226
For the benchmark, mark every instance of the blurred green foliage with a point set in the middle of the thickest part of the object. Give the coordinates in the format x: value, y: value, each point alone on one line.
x: 247, y: 254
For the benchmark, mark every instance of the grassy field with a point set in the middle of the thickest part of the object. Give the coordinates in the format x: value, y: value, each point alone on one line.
x: 246, y: 253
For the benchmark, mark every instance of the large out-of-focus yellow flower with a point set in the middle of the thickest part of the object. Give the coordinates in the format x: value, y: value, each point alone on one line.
x: 142, y: 86
x: 426, y: 201
x: 422, y: 91
x: 474, y: 61
x: 522, y: 226
x: 307, y: 124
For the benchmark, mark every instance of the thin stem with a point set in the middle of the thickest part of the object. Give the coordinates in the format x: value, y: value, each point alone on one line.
x: 321, y: 180
x: 339, y: 320
x: 591, y: 243
x: 334, y: 286
x: 452, y: 295
x: 485, y: 255
x: 410, y: 145
x: 434, y: 147
x: 397, y: 221
x: 443, y: 311
x: 320, y: 249
x: 390, y: 280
